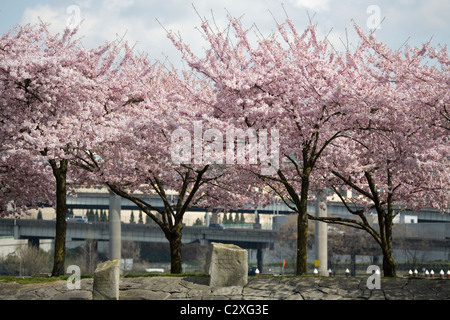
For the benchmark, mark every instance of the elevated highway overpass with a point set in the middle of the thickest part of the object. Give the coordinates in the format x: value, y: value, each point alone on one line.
x: 100, y: 199
x: 258, y: 239
x: 33, y: 230
x: 45, y: 229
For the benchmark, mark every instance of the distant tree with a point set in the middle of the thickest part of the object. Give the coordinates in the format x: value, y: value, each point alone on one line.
x: 236, y: 219
x: 148, y: 220
x: 32, y: 260
x: 89, y: 255
x: 225, y: 219
x: 103, y: 216
x: 242, y: 220
x: 198, y: 222
x: 90, y: 214
x: 131, y: 250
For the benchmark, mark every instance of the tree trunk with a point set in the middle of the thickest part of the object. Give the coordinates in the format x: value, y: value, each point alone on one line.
x: 389, y: 264
x: 60, y: 173
x: 388, y: 253
x: 302, y: 231
x: 175, y: 250
x: 385, y: 221
x: 302, y: 228
x: 385, y: 224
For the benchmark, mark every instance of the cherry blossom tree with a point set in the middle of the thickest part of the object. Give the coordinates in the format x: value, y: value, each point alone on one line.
x: 396, y: 159
x: 372, y: 119
x: 94, y: 117
x: 25, y: 182
x: 52, y: 94
x: 369, y: 115
x: 149, y: 139
x: 297, y: 84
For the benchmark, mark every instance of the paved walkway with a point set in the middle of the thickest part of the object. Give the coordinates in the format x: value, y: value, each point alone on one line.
x: 258, y: 288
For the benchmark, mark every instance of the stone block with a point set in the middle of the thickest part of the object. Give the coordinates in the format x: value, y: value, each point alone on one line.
x: 106, y: 281
x: 227, y: 265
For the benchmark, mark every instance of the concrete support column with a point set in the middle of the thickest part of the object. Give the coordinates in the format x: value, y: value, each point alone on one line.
x: 115, y: 237
x: 16, y: 230
x: 321, y: 238
x: 207, y: 218
x: 256, y: 225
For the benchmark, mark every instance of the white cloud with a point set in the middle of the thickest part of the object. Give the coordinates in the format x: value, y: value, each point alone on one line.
x: 100, y: 21
x: 316, y: 5
x: 116, y: 5
x: 435, y: 13
x: 47, y: 14
x: 107, y: 19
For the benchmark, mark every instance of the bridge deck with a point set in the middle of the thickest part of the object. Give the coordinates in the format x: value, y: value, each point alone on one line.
x: 248, y: 238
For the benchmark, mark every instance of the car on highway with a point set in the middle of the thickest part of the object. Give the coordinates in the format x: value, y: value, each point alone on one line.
x: 79, y: 219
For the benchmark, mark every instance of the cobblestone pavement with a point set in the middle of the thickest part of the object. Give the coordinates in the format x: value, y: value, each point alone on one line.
x: 258, y: 288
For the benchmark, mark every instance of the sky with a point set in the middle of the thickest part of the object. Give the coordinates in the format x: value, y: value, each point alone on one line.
x: 144, y: 23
